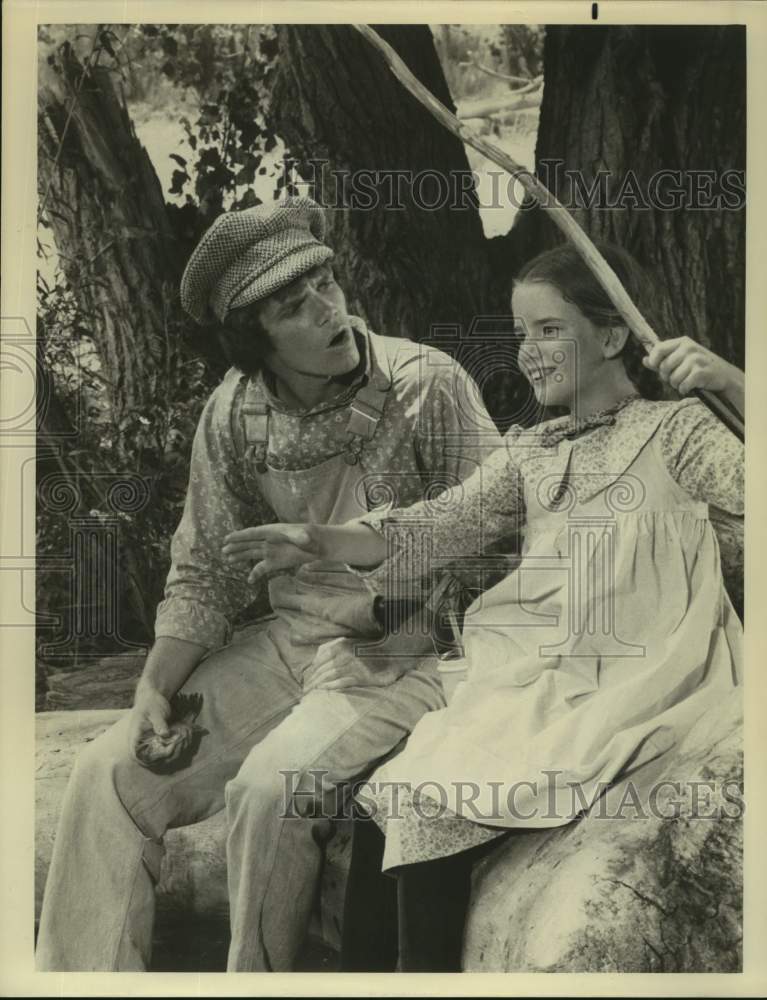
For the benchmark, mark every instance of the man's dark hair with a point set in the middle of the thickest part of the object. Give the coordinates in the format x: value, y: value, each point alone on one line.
x: 243, y: 339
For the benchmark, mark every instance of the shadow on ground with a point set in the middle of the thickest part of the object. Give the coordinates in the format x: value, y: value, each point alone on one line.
x: 201, y: 946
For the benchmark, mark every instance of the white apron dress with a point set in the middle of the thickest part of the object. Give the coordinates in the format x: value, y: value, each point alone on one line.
x: 596, y: 655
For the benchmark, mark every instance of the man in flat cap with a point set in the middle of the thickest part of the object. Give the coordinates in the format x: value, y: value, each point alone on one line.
x: 318, y: 420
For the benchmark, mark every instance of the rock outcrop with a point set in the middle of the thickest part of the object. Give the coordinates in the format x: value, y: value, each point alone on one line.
x: 658, y: 890
x: 106, y: 683
x: 639, y: 884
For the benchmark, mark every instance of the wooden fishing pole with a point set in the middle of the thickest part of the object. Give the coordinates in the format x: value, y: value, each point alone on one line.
x: 596, y: 263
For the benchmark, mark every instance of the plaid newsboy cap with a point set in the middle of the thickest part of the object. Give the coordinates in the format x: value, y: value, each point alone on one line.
x: 245, y: 256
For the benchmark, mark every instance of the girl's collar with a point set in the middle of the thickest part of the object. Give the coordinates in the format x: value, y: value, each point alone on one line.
x: 570, y: 427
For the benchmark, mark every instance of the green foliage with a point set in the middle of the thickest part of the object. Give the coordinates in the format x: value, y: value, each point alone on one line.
x: 231, y: 70
x: 214, y: 79
x: 151, y: 443
x: 224, y: 74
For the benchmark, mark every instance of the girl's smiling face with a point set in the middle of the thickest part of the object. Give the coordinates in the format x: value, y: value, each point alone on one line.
x: 562, y: 353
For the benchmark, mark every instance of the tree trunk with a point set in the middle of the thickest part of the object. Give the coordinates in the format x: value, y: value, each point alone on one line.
x: 646, y: 99
x: 107, y: 210
x: 335, y: 100
x: 122, y: 251
x: 621, y: 100
x: 411, y: 270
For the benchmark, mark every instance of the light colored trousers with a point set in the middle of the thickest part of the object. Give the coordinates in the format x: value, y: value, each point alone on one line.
x: 98, y: 909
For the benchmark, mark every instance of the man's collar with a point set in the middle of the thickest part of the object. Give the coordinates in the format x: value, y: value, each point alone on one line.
x: 348, y: 384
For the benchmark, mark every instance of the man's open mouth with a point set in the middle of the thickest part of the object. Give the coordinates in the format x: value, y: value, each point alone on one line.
x: 338, y: 338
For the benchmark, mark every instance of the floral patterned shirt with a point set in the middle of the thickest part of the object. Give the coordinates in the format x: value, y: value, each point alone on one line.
x: 433, y: 433
x: 700, y: 453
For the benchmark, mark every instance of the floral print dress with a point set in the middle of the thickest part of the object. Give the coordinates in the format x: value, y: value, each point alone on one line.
x: 597, y: 654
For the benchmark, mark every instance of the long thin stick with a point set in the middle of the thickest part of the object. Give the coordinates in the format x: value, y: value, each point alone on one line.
x: 596, y: 263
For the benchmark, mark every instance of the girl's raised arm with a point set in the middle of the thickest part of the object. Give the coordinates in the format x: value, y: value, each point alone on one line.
x: 687, y: 365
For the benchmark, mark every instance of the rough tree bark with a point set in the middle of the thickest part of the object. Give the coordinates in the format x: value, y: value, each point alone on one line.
x: 616, y: 99
x: 335, y: 100
x: 107, y: 210
x: 646, y: 99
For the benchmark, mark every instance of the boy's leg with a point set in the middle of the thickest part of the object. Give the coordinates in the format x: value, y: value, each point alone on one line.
x: 274, y: 853
x: 98, y: 908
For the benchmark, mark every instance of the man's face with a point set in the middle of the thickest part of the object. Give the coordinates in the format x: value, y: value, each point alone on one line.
x: 308, y: 327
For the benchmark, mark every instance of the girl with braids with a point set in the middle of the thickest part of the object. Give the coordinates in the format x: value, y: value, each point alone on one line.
x: 595, y: 656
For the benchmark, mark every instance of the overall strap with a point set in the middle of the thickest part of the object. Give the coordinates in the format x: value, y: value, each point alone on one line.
x: 255, y: 421
x: 367, y: 407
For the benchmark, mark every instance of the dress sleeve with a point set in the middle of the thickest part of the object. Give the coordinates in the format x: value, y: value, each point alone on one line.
x: 704, y: 457
x: 202, y: 592
x: 706, y: 460
x: 456, y: 525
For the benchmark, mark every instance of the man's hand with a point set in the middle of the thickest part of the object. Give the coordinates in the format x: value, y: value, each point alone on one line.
x: 687, y: 365
x: 271, y: 548
x: 336, y: 667
x: 150, y: 714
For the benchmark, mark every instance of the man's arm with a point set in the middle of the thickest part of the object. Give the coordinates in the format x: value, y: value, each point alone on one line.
x: 410, y: 630
x: 169, y: 664
x: 202, y: 592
